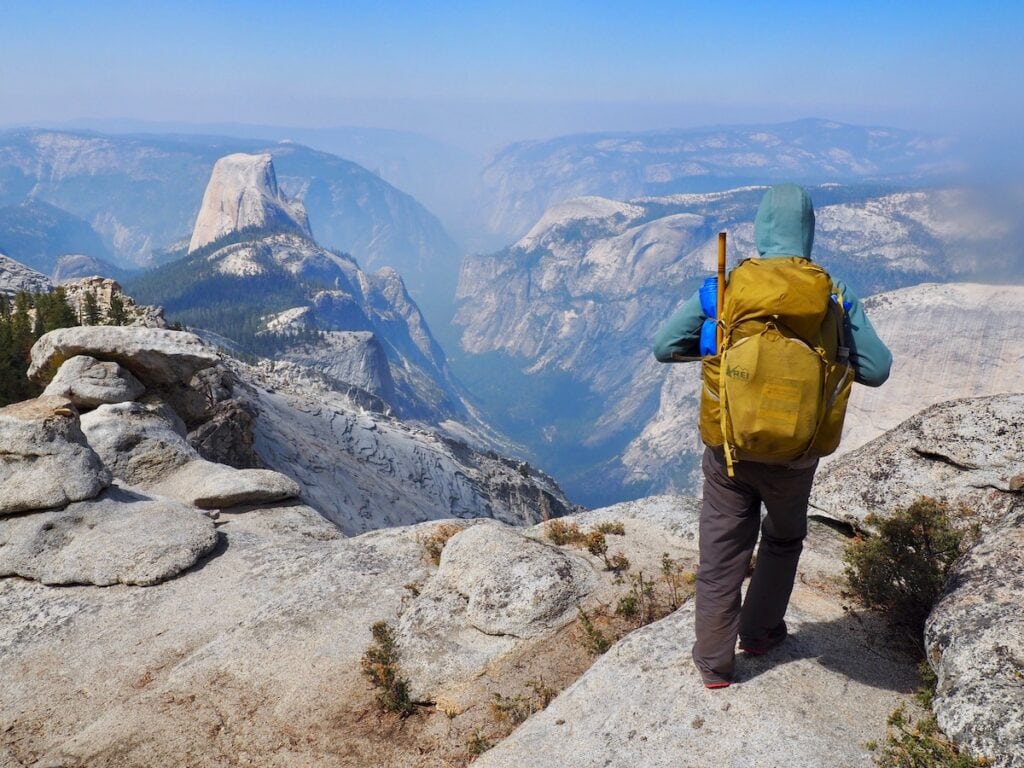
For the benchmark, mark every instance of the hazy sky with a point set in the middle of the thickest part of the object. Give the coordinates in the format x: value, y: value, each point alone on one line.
x: 485, y: 72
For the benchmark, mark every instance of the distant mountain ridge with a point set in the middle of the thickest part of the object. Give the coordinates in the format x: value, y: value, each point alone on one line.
x: 525, y: 178
x: 141, y: 193
x: 264, y: 283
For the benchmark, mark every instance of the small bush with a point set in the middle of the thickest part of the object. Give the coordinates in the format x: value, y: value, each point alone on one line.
x: 678, y: 581
x: 902, y: 570
x: 614, y: 528
x: 919, y: 745
x: 618, y: 563
x: 592, y: 638
x: 380, y: 665
x: 561, y: 533
x: 477, y: 744
x: 516, y: 709
x: 434, y: 542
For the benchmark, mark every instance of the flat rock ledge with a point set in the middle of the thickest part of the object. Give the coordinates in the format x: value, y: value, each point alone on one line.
x: 87, y: 382
x: 975, y: 642
x: 118, y: 538
x: 207, y: 485
x: 158, y: 357
x: 814, y: 702
x: 45, y: 461
x: 494, y: 587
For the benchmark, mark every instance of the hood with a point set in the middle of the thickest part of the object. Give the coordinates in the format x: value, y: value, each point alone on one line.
x: 785, y: 222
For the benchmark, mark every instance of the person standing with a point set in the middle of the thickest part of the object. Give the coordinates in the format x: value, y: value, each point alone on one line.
x: 730, y: 516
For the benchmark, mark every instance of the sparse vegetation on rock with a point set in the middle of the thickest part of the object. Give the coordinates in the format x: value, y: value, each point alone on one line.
x: 433, y: 542
x: 380, y: 665
x: 902, y: 569
x: 919, y: 743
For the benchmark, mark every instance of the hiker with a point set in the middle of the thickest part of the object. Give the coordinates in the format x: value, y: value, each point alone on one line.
x: 736, y: 483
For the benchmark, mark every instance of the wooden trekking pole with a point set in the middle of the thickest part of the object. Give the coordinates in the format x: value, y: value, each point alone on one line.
x: 721, y: 290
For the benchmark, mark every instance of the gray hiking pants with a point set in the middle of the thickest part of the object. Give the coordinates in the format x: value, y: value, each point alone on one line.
x: 729, y: 522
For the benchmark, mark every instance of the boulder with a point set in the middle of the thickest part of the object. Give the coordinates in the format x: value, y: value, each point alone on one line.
x: 975, y: 643
x: 144, y: 445
x: 213, y: 486
x: 968, y: 452
x: 88, y: 382
x: 118, y: 537
x: 44, y: 458
x: 158, y: 357
x: 493, y: 588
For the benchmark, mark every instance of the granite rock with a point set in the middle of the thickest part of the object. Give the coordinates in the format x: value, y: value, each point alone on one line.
x: 158, y: 357
x: 975, y: 643
x: 87, y: 382
x: 967, y: 452
x: 493, y: 587
x: 117, y: 538
x: 144, y: 445
x: 44, y: 458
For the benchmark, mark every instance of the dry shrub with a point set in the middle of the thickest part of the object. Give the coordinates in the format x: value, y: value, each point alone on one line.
x: 434, y: 541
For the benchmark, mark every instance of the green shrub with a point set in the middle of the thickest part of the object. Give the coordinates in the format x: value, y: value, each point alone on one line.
x: 592, y: 638
x: 902, y: 570
x: 380, y: 665
x: 919, y: 745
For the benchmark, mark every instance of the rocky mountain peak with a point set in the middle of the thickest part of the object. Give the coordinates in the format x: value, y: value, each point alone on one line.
x: 242, y: 193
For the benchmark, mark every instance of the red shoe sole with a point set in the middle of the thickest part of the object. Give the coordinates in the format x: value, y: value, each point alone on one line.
x: 716, y: 686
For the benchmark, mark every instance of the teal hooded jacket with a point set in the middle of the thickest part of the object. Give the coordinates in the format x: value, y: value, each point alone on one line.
x: 784, y: 227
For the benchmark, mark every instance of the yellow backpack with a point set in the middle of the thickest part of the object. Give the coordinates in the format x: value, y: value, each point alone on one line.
x: 777, y: 390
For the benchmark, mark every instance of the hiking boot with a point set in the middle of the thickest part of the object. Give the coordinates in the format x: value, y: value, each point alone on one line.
x: 761, y: 646
x: 712, y: 685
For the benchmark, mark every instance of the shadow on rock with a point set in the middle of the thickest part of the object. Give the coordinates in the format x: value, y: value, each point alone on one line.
x: 858, y: 646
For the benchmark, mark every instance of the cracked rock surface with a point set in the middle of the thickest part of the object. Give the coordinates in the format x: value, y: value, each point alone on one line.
x: 965, y: 451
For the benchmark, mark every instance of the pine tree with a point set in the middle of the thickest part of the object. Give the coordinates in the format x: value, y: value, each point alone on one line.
x: 90, y: 309
x: 117, y: 314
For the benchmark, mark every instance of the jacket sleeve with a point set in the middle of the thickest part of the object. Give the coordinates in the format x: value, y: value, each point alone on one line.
x: 681, y: 334
x: 870, y: 358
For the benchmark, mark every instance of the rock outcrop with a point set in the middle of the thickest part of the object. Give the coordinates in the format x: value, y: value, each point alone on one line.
x: 493, y: 588
x: 252, y: 653
x: 967, y: 452
x: 243, y: 194
x: 975, y: 641
x: 44, y: 458
x: 155, y: 355
x: 145, y: 447
x: 117, y: 538
x: 107, y: 293
x: 87, y: 383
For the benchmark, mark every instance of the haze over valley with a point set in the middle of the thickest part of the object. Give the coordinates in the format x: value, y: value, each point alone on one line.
x: 331, y: 428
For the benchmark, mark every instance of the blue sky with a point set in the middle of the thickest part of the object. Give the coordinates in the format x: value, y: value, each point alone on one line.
x: 513, y: 68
